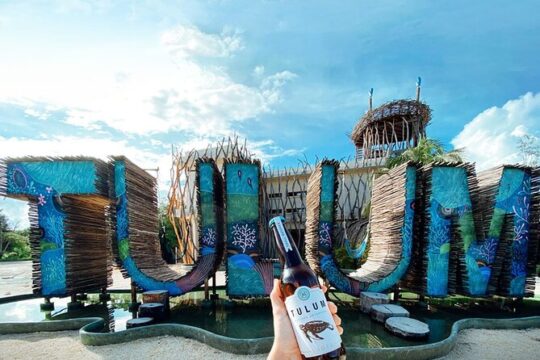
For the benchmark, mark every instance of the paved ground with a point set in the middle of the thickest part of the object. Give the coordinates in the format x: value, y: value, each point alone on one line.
x: 15, y: 278
x: 473, y: 344
x: 66, y: 345
x: 476, y: 344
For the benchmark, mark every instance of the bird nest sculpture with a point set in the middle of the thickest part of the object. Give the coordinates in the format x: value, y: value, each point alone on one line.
x: 394, y: 126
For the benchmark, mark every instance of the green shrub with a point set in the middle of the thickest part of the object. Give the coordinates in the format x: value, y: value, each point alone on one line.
x: 343, y: 259
x: 18, y: 246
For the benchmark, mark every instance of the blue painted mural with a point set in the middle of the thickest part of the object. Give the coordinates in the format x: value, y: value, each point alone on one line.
x: 448, y: 212
x: 450, y: 202
x: 43, y: 182
x: 247, y: 274
x: 449, y: 242
x: 449, y: 198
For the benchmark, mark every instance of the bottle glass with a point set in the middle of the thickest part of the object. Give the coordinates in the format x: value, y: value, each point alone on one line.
x: 316, y: 333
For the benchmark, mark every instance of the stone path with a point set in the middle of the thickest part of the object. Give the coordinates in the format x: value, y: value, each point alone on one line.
x: 407, y: 327
x: 368, y: 299
x: 381, y: 312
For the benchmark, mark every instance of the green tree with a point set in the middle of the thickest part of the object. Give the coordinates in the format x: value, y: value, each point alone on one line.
x: 3, y: 231
x: 14, y: 244
x: 427, y: 150
x: 3, y: 222
x: 167, y: 236
x: 19, y: 246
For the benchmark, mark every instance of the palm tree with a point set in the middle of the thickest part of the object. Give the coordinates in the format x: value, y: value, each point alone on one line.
x: 427, y: 150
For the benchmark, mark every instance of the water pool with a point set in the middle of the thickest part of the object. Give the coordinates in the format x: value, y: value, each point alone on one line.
x: 253, y: 319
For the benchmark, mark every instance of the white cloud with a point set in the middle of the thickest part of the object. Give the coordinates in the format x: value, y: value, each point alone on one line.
x: 258, y: 72
x: 85, y: 6
x: 102, y: 148
x: 188, y: 41
x: 519, y: 131
x: 140, y: 90
x: 491, y: 138
x: 41, y: 115
x: 137, y: 90
x: 86, y: 146
x: 16, y: 212
x: 270, y: 86
x: 264, y: 150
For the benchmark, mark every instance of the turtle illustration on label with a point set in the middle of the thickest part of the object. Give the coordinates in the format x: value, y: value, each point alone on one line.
x: 315, y: 328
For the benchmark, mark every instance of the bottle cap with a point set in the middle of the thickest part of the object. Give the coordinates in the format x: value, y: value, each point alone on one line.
x: 274, y: 219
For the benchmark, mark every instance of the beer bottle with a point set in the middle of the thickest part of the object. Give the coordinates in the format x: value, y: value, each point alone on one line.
x: 316, y: 333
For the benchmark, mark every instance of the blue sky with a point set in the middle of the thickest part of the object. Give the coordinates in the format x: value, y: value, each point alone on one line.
x: 113, y: 77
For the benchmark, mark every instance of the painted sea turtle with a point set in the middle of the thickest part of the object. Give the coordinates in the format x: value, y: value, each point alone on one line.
x: 315, y: 328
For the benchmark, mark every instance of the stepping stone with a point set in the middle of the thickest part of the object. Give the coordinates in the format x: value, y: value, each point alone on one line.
x: 407, y: 327
x: 153, y: 310
x: 157, y: 296
x: 142, y: 321
x: 368, y: 299
x: 381, y: 312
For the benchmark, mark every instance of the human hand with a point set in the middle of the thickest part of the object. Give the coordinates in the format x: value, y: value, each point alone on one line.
x: 285, y: 346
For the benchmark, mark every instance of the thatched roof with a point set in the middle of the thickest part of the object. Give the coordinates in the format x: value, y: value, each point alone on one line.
x: 397, y: 113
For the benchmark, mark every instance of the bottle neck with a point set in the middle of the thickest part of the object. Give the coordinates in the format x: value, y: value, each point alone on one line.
x: 287, y: 247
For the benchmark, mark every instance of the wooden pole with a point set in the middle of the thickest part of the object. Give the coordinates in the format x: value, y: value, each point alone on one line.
x: 206, y: 290
x: 370, y: 99
x: 133, y: 293
x: 396, y: 293
x: 418, y: 86
x: 214, y: 294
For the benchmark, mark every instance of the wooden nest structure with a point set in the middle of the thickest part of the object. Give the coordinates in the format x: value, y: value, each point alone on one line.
x: 394, y: 126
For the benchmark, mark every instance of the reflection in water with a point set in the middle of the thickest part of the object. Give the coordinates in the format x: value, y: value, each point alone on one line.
x: 28, y: 310
x: 246, y: 319
x: 220, y: 317
x: 437, y: 327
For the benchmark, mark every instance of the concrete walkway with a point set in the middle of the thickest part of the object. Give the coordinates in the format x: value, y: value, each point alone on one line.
x: 15, y: 278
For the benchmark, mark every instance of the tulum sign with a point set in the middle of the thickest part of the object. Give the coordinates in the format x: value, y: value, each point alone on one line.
x: 438, y: 229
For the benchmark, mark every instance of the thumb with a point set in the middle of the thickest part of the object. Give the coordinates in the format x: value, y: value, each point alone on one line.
x: 276, y: 297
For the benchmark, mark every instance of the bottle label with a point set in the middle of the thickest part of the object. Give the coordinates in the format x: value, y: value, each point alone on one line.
x: 283, y: 234
x: 314, y: 327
